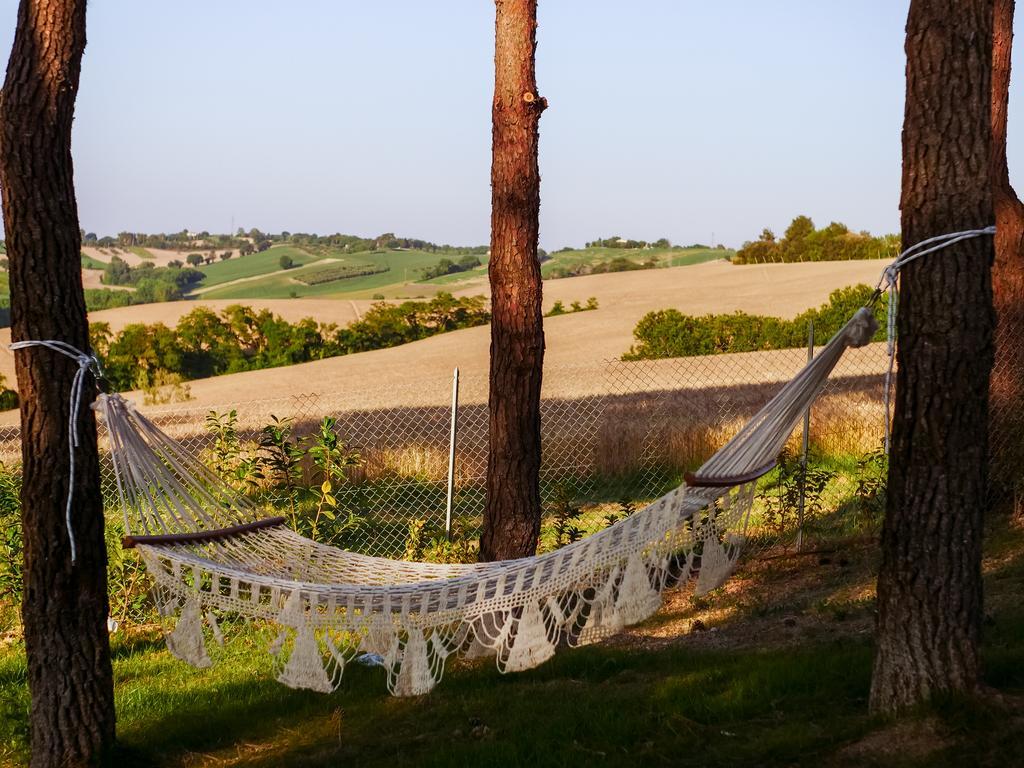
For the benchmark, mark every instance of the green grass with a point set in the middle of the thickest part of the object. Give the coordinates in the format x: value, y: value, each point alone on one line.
x: 664, y: 257
x: 252, y: 265
x: 402, y: 280
x: 141, y: 252
x: 458, y: 277
x: 90, y: 263
x: 797, y: 703
x: 404, y: 266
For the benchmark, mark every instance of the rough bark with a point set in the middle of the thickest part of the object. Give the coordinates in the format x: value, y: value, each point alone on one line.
x: 929, y: 585
x: 512, y: 519
x: 1007, y: 389
x: 64, y: 610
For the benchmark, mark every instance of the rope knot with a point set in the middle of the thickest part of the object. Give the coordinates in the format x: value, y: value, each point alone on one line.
x: 87, y: 363
x: 862, y: 328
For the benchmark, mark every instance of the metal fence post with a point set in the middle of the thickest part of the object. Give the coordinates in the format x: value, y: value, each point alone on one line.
x: 451, y: 453
x: 804, y: 449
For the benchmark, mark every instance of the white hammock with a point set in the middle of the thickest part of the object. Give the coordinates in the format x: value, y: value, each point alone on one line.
x: 210, y: 549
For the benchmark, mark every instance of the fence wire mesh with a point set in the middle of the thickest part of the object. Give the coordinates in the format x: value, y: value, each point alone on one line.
x: 609, y: 443
x: 612, y: 440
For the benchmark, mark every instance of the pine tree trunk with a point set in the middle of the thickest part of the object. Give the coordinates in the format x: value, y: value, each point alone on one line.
x: 512, y: 518
x: 929, y: 584
x: 1007, y: 390
x: 64, y: 610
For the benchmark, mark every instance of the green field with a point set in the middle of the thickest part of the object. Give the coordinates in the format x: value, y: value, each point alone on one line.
x: 91, y: 263
x: 402, y: 278
x: 141, y: 252
x: 403, y: 266
x: 252, y: 265
x: 667, y: 257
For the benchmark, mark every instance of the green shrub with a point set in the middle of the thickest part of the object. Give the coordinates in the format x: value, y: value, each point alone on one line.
x: 670, y: 333
x: 802, y: 242
x: 206, y: 343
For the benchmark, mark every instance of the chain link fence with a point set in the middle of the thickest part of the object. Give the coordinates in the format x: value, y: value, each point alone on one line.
x: 613, y: 439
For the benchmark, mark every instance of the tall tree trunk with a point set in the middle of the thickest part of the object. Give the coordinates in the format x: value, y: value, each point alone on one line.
x: 512, y: 518
x: 1007, y: 390
x: 64, y: 610
x: 929, y: 584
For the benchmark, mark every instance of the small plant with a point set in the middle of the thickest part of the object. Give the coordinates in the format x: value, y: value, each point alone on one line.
x: 626, y: 508
x: 8, y: 397
x: 280, y: 461
x: 872, y: 480
x: 226, y: 456
x: 10, y: 535
x: 330, y: 460
x: 558, y: 308
x: 781, y: 499
x: 591, y: 303
x: 566, y: 513
x: 430, y: 544
x: 128, y: 583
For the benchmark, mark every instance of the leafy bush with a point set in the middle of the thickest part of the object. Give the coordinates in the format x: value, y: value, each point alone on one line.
x: 449, y: 267
x: 8, y: 397
x: 558, y: 308
x: 118, y: 272
x: 802, y: 242
x: 205, y: 343
x: 669, y: 333
x: 429, y: 543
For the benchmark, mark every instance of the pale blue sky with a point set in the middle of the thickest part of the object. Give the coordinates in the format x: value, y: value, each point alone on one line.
x: 674, y: 118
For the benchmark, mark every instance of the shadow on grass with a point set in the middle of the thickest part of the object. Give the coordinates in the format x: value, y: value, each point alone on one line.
x: 671, y: 706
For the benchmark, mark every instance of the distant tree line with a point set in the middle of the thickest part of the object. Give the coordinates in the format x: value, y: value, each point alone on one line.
x: 619, y: 242
x: 176, y: 241
x: 152, y: 283
x: 618, y: 264
x: 802, y: 242
x: 255, y: 240
x: 206, y: 343
x: 670, y: 333
x: 449, y: 267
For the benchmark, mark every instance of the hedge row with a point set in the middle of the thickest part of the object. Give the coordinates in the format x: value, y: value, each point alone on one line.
x: 339, y: 272
x: 669, y: 333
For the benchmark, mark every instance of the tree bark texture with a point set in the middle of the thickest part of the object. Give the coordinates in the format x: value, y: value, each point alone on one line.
x: 512, y: 519
x: 929, y: 585
x: 1007, y: 389
x: 65, y: 608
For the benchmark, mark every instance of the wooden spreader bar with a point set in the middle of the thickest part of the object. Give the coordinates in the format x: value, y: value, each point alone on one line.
x: 129, y: 542
x: 727, y: 481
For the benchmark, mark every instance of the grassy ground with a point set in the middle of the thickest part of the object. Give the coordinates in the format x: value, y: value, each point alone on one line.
x: 90, y: 263
x: 779, y: 677
x: 664, y: 258
x: 141, y: 252
x: 405, y: 270
x: 404, y: 267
